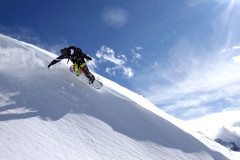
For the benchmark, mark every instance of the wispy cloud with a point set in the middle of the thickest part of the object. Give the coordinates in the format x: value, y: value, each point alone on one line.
x: 236, y: 59
x: 225, y: 25
x: 138, y: 48
x: 115, y: 17
x: 136, y: 56
x: 195, y: 79
x: 194, y: 84
x: 27, y: 34
x: 106, y: 55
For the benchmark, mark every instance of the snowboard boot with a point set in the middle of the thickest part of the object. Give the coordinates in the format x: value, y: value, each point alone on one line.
x: 91, y: 80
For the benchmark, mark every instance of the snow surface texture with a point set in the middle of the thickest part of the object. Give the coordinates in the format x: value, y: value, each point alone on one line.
x: 51, y: 114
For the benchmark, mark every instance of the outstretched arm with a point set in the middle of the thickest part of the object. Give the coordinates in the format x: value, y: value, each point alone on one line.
x: 58, y: 59
x: 53, y: 62
x: 87, y: 57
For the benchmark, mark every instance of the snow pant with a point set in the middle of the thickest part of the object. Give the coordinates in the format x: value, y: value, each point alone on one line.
x: 82, y: 68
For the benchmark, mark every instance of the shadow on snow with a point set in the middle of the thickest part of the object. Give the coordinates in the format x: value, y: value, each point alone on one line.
x: 50, y: 96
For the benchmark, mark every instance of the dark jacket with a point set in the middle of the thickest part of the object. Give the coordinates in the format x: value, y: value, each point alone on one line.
x: 71, y: 53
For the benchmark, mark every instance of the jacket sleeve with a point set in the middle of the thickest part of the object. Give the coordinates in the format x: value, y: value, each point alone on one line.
x: 87, y: 57
x: 58, y: 59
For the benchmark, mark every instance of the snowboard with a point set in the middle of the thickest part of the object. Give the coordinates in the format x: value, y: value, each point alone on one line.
x: 96, y: 83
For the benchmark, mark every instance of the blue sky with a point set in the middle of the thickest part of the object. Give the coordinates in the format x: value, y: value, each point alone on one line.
x: 182, y: 55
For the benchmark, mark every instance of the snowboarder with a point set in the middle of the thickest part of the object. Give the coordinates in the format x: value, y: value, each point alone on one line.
x: 78, y: 59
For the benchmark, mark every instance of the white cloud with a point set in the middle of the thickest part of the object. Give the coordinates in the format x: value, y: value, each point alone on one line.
x: 224, y: 125
x: 232, y: 51
x: 127, y: 71
x: 236, y: 47
x: 196, y: 77
x: 111, y: 71
x: 135, y: 55
x: 115, y: 17
x: 106, y: 54
x: 195, y: 112
x: 138, y: 48
x: 181, y: 104
x: 236, y: 59
x: 193, y: 81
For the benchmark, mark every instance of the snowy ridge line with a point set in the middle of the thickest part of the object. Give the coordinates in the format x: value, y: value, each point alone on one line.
x: 50, y: 54
x: 139, y: 99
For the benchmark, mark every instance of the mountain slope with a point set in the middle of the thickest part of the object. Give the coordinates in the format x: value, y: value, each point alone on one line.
x: 51, y: 114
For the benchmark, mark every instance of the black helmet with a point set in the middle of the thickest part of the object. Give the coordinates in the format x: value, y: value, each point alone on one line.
x: 78, y: 50
x: 64, y: 51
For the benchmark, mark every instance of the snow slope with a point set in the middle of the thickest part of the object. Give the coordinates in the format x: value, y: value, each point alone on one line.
x: 51, y: 114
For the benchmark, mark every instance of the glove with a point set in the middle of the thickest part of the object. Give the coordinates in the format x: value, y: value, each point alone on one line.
x: 49, y: 66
